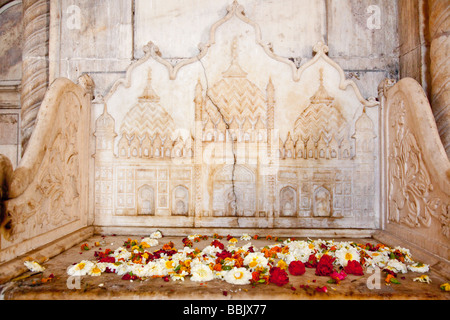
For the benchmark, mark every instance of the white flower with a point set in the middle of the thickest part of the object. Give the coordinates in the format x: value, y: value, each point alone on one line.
x: 138, y: 269
x: 201, y: 272
x: 377, y: 259
x: 246, y: 237
x: 255, y: 259
x: 406, y: 253
x: 396, y: 266
x: 179, y: 276
x: 112, y: 266
x: 150, y: 241
x: 346, y: 254
x: 419, y: 267
x: 123, y: 268
x: 246, y: 247
x: 156, y: 268
x: 211, y: 250
x: 238, y: 276
x: 121, y: 253
x: 220, y: 274
x: 424, y: 278
x: 298, y: 251
x: 80, y: 269
x: 33, y: 266
x: 156, y: 235
x: 97, y: 269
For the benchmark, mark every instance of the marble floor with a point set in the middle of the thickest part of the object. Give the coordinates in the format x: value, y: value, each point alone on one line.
x: 54, y: 283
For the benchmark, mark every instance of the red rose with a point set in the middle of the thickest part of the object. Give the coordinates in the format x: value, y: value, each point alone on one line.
x: 108, y: 259
x: 128, y: 276
x: 312, y: 261
x: 354, y: 267
x: 224, y: 254
x: 278, y: 276
x: 325, y: 266
x: 296, y: 268
x: 218, y: 244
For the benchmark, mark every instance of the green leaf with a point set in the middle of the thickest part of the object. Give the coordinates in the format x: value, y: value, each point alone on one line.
x: 331, y: 281
x: 395, y: 281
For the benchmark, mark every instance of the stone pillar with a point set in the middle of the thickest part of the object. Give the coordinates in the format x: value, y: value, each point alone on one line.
x: 36, y: 21
x: 440, y: 67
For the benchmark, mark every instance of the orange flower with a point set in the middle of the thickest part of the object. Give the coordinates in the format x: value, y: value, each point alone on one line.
x: 217, y: 267
x: 255, y: 276
x: 388, y: 278
x: 276, y: 249
x: 269, y: 237
x: 238, y: 261
x: 168, y: 246
x: 137, y: 260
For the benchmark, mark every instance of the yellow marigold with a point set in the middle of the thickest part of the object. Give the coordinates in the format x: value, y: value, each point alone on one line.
x: 445, y: 287
x: 281, y: 264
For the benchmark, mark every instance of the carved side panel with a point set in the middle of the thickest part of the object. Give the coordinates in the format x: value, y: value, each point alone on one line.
x: 412, y: 198
x: 49, y: 189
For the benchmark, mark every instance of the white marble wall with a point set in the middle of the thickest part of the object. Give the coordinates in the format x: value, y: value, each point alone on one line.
x: 103, y: 37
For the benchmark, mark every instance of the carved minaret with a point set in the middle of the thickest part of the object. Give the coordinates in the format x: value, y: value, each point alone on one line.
x: 104, y: 154
x: 198, y: 148
x: 104, y: 135
x: 272, y: 149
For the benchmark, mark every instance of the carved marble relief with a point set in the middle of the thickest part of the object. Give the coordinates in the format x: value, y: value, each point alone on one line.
x: 411, y: 198
x: 232, y: 167
x: 49, y: 193
x: 321, y: 140
x: 57, y: 186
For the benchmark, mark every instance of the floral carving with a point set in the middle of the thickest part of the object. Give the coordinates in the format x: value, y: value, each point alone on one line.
x: 53, y: 195
x: 411, y: 201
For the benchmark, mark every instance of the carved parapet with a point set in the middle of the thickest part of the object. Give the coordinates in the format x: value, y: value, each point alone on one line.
x: 417, y: 170
x: 48, y: 191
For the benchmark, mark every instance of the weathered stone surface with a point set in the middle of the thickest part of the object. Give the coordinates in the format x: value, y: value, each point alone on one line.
x: 417, y: 171
x: 261, y: 127
x: 11, y: 39
x: 120, y: 30
x: 110, y: 286
x: 440, y: 68
x: 47, y: 195
x: 236, y: 136
x: 35, y: 78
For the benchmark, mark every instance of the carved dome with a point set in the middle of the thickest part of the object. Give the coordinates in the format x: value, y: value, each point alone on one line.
x: 148, y: 116
x: 364, y: 123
